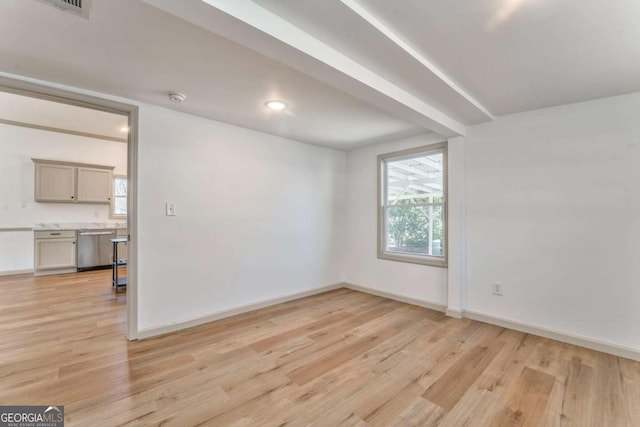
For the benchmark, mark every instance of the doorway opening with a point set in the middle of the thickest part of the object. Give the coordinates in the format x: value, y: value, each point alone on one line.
x: 86, y: 190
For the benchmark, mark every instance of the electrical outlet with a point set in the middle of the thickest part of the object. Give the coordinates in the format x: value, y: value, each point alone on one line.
x: 497, y: 288
x: 170, y: 209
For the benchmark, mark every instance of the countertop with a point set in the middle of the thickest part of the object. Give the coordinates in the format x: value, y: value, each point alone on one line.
x: 80, y: 226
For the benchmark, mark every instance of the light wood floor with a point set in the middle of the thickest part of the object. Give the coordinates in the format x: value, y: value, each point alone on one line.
x: 339, y: 358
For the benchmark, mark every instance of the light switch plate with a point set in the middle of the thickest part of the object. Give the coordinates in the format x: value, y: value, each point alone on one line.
x: 496, y: 288
x: 170, y: 208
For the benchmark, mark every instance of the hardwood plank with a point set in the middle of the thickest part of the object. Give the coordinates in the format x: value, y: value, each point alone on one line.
x: 630, y: 372
x: 381, y: 308
x: 579, y: 391
x: 528, y: 401
x: 420, y: 412
x: 613, y: 409
x: 391, y: 397
x: 313, y: 370
x: 273, y: 340
x: 484, y: 400
x: 448, y: 390
x: 337, y: 358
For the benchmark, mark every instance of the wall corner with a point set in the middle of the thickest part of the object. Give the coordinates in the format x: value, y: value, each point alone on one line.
x: 456, y: 226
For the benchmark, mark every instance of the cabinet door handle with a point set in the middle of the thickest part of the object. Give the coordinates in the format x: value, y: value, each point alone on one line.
x: 54, y: 234
x: 73, y: 243
x: 72, y: 197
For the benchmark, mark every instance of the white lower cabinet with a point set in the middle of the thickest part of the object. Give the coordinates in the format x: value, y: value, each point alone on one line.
x: 55, y: 252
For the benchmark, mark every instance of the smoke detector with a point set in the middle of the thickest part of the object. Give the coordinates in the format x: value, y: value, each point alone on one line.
x: 76, y: 7
x: 177, y: 97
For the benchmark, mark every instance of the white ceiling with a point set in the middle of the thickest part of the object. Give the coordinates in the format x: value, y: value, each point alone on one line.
x: 354, y: 72
x: 519, y: 55
x: 27, y: 110
x: 131, y: 49
x: 334, y: 23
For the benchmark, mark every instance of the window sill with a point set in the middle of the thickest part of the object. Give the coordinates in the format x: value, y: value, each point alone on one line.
x: 413, y: 259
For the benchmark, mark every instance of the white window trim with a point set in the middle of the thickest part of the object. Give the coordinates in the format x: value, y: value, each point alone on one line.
x: 394, y: 256
x: 112, y: 208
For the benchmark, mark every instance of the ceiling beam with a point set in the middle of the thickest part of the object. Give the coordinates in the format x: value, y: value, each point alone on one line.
x: 257, y: 28
x: 429, y: 162
x: 396, y: 174
x: 415, y: 171
x: 365, y: 14
x: 418, y: 181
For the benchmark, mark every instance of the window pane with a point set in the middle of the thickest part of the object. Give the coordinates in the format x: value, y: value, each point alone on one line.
x: 438, y: 241
x: 417, y: 179
x: 415, y: 230
x: 120, y: 206
x: 120, y: 186
x: 413, y: 205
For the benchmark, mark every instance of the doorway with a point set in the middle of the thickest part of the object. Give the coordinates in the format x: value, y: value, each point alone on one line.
x: 55, y: 94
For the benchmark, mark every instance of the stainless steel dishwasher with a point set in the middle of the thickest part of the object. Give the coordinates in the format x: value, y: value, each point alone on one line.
x: 95, y: 249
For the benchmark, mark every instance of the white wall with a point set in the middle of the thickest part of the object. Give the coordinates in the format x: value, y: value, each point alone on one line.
x: 552, y: 207
x: 17, y: 206
x: 551, y: 201
x: 258, y: 217
x: 553, y: 212
x: 362, y: 266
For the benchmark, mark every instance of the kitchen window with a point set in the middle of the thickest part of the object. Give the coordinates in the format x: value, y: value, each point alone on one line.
x: 412, y: 198
x: 119, y: 200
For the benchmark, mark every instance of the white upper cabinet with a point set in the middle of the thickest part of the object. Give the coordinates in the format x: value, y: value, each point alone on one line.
x: 55, y: 183
x: 94, y: 185
x: 68, y: 182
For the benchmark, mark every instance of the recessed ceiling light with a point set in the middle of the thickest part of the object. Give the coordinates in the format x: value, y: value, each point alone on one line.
x: 124, y: 129
x: 275, y: 105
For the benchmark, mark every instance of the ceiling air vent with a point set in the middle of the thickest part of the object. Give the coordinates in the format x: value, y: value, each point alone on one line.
x: 77, y: 7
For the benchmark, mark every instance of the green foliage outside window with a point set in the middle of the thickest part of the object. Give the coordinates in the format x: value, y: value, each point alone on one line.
x: 408, y: 227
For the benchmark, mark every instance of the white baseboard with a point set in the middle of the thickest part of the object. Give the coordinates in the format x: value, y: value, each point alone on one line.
x: 603, y: 346
x: 578, y: 340
x: 458, y: 314
x: 54, y: 272
x: 161, y: 330
x: 396, y: 297
x: 14, y: 272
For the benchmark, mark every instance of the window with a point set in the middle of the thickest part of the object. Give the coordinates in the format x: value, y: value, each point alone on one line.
x: 412, y: 205
x: 119, y: 202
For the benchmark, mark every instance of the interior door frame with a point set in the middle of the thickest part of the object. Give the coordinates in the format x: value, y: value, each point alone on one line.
x: 50, y: 93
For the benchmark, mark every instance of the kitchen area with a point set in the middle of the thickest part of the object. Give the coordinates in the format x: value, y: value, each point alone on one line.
x: 71, y: 248
x: 63, y: 189
x: 61, y: 248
